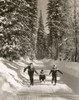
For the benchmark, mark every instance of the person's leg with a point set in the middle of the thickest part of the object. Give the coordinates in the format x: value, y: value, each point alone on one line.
x: 55, y: 80
x: 43, y: 78
x: 32, y: 80
x: 40, y: 78
x: 52, y: 79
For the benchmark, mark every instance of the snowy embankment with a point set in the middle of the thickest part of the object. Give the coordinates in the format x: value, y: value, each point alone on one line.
x: 9, y: 79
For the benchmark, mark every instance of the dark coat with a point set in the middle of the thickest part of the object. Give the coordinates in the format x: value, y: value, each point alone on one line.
x: 54, y: 72
x: 30, y: 70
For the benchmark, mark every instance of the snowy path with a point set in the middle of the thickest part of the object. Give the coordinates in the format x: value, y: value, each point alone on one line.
x: 48, y: 91
x: 67, y: 87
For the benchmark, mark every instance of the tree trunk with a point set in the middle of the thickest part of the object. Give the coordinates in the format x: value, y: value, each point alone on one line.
x: 75, y: 30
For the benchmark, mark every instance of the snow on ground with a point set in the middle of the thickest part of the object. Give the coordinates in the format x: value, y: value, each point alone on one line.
x: 25, y: 63
x: 47, y: 78
x: 12, y: 83
x: 54, y: 98
x: 48, y: 87
x: 10, y: 78
x: 11, y: 66
x: 24, y: 74
x: 19, y: 63
x: 38, y: 62
x: 71, y: 68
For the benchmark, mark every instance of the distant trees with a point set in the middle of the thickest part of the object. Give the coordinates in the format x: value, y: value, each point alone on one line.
x: 40, y: 39
x: 55, y: 22
x: 71, y: 46
x: 62, y: 23
x: 19, y: 35
x: 32, y: 19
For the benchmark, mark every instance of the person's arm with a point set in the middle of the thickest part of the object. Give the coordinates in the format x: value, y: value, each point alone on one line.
x: 25, y: 69
x: 59, y: 71
x: 36, y: 71
x: 50, y: 72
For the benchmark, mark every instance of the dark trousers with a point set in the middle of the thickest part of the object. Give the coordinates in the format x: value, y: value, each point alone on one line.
x: 31, y: 79
x: 54, y: 78
x: 42, y: 78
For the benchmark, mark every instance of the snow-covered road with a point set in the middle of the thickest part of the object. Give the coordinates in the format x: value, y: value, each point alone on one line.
x: 14, y: 84
x: 63, y: 90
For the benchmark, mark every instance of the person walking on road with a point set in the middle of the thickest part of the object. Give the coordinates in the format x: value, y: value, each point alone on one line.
x: 54, y: 71
x: 31, y: 71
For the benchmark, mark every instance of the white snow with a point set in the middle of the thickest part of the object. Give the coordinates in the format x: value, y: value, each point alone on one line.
x: 24, y: 74
x: 38, y: 61
x: 62, y: 87
x: 11, y: 66
x: 10, y: 76
x: 26, y: 60
x: 6, y: 87
x: 20, y: 63
x: 38, y: 65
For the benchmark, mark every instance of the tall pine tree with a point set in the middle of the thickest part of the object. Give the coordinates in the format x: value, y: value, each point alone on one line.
x: 17, y: 26
x: 40, y: 39
x: 56, y: 21
x: 32, y: 14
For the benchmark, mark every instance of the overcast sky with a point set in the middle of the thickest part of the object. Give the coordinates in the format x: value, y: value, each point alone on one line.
x: 42, y: 5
